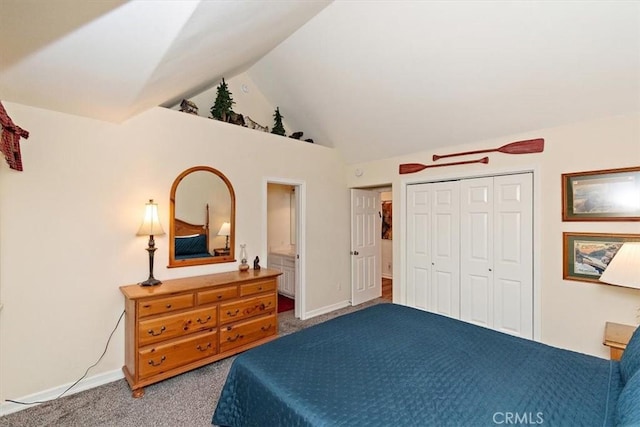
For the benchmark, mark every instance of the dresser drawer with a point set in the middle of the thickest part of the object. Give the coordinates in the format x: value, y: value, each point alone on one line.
x: 246, y: 332
x: 164, y: 357
x: 175, y: 325
x: 218, y: 294
x: 164, y: 305
x: 257, y: 287
x: 250, y: 307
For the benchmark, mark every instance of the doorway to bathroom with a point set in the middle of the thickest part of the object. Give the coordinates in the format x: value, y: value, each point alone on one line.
x: 284, y: 205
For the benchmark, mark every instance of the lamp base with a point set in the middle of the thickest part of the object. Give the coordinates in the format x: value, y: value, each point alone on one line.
x: 150, y: 282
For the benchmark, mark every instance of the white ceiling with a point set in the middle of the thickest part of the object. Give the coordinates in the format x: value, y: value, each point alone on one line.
x: 137, y: 55
x: 374, y: 79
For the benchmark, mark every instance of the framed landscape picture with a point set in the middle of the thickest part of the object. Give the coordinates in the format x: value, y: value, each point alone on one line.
x: 605, y: 195
x: 586, y: 255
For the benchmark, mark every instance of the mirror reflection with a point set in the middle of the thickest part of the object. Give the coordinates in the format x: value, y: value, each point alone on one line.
x: 202, y: 218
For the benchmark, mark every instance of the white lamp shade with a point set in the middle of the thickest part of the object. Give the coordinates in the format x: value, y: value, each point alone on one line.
x: 150, y: 223
x: 225, y: 230
x: 624, y: 268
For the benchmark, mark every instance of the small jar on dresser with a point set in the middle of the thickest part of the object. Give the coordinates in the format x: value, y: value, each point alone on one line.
x: 187, y: 323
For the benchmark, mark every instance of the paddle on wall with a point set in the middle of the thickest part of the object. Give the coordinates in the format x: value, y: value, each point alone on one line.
x: 417, y: 167
x: 519, y: 147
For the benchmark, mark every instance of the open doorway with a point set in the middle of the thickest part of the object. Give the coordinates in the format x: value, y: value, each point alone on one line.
x: 371, y: 244
x: 284, y: 215
x: 386, y: 262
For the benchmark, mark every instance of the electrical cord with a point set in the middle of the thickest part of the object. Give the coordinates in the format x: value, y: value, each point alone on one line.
x: 83, y: 375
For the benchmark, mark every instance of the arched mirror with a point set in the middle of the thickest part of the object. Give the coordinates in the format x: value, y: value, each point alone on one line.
x: 202, y: 222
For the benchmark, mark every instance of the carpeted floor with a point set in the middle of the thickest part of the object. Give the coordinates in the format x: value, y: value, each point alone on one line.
x: 186, y: 400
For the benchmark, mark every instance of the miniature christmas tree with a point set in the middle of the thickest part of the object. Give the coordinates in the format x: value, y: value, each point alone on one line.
x: 278, y: 128
x: 222, y: 107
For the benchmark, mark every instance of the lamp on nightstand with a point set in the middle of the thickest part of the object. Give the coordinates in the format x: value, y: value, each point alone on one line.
x: 624, y: 268
x: 151, y: 227
x: 225, y: 230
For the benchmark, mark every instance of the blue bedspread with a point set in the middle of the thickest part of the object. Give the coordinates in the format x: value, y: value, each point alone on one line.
x: 391, y: 365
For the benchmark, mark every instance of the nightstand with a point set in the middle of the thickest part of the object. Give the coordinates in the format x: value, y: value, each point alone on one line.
x: 221, y: 252
x: 616, y: 337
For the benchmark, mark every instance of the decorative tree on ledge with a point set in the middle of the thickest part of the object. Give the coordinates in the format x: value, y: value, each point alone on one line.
x: 224, y: 101
x: 278, y: 128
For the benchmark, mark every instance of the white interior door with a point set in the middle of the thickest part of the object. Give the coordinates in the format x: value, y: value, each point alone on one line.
x: 366, y: 226
x: 419, y: 246
x: 445, y: 249
x: 513, y: 254
x: 470, y: 250
x: 476, y: 251
x: 433, y: 239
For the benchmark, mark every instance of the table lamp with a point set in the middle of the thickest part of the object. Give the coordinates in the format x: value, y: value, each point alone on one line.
x: 151, y: 227
x: 624, y: 268
x: 225, y: 230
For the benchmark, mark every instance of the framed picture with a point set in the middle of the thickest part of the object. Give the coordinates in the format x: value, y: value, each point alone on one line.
x: 387, y: 231
x: 605, y: 195
x: 586, y: 255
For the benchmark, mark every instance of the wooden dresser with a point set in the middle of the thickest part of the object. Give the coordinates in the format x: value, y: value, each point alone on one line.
x: 186, y: 323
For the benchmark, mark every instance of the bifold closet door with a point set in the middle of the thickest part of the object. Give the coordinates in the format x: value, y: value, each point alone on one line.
x: 513, y: 254
x: 496, y: 253
x: 433, y: 251
x: 476, y: 251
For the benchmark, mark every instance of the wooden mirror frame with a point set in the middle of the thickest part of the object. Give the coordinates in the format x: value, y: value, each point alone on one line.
x: 173, y: 223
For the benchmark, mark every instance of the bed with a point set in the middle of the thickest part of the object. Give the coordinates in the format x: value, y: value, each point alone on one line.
x: 192, y: 240
x: 392, y: 365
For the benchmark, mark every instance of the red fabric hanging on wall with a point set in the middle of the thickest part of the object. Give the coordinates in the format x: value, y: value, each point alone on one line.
x: 10, y: 141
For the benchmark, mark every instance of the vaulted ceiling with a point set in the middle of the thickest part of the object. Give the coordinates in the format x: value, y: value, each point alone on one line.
x: 373, y: 79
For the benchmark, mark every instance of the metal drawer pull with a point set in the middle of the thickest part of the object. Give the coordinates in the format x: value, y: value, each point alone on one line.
x: 238, y: 336
x: 168, y: 306
x: 153, y: 334
x: 202, y: 322
x: 229, y: 313
x: 267, y: 328
x: 262, y: 306
x: 199, y: 347
x: 152, y: 363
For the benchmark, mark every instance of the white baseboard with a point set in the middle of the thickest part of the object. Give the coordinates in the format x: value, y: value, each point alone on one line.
x: 325, y: 309
x: 387, y: 276
x: 7, y: 408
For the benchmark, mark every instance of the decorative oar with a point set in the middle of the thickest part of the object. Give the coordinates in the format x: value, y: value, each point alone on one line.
x: 518, y: 147
x: 417, y: 167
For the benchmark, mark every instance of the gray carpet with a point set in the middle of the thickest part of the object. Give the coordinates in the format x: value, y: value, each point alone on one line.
x: 186, y: 400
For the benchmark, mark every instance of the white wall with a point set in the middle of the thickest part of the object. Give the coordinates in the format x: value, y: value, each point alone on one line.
x: 571, y: 314
x: 279, y: 216
x: 68, y: 225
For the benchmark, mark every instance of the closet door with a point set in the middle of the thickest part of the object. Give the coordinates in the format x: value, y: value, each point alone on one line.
x: 419, y: 245
x: 513, y: 254
x: 433, y: 255
x: 476, y: 251
x: 445, y: 249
